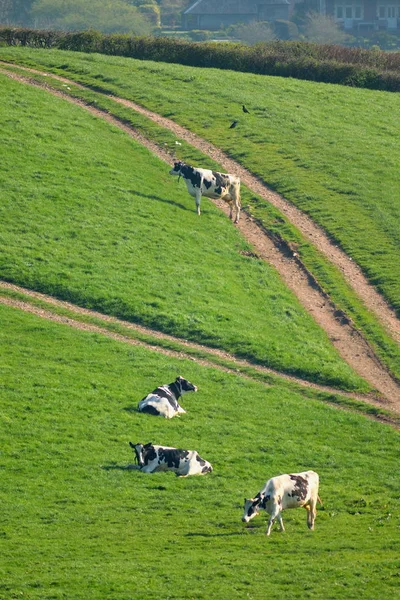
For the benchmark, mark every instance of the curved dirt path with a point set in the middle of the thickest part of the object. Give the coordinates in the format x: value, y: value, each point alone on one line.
x: 185, y: 353
x: 315, y: 234
x: 353, y: 348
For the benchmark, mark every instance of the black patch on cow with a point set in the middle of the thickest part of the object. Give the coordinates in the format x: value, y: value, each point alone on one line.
x: 185, y: 385
x: 200, y: 460
x: 191, y: 174
x: 171, y: 456
x: 206, y: 469
x: 264, y: 501
x: 151, y: 410
x: 178, y: 166
x: 168, y: 395
x: 175, y: 390
x: 300, y: 487
x: 149, y: 453
x: 258, y: 500
x: 221, y: 181
x: 207, y: 183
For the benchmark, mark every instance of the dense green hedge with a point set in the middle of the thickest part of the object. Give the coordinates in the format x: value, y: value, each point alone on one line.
x: 357, y: 67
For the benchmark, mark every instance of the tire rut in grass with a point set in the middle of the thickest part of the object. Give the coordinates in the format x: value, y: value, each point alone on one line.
x: 353, y: 348
x: 237, y: 365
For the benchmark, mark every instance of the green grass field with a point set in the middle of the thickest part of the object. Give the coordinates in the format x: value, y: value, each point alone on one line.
x: 93, y: 218
x: 331, y: 150
x: 75, y: 524
x: 90, y: 216
x: 114, y: 75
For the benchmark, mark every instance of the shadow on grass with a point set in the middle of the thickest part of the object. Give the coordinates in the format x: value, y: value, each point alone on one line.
x: 131, y: 409
x: 165, y: 200
x: 215, y: 535
x: 120, y: 467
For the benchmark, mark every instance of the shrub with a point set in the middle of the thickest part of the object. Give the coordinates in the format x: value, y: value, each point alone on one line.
x: 302, y: 60
x: 199, y: 35
x: 285, y: 30
x: 151, y: 12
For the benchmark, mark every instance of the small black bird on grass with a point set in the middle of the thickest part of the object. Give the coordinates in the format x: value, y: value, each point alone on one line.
x: 233, y: 124
x: 244, y: 109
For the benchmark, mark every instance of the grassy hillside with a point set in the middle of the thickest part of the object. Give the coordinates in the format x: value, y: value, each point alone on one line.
x: 331, y: 150
x: 75, y: 524
x: 92, y: 217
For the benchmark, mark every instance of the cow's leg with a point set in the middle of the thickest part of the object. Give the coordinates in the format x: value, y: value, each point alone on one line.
x: 236, y: 199
x: 274, y: 514
x: 198, y: 198
x: 311, y: 514
x: 281, y: 522
x: 237, y: 205
x: 270, y: 523
x: 147, y: 469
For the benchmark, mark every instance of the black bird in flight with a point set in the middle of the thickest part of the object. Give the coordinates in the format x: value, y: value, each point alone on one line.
x: 233, y: 124
x: 244, y: 109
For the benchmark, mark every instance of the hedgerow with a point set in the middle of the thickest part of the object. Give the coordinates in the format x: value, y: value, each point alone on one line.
x: 356, y: 67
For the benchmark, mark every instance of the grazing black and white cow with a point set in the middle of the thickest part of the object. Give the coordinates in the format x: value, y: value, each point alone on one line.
x: 285, y: 491
x: 203, y: 182
x: 151, y: 458
x: 163, y: 400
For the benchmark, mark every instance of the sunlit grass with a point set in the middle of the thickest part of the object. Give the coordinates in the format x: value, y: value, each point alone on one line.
x: 92, y: 217
x: 299, y: 138
x: 76, y: 524
x: 331, y: 150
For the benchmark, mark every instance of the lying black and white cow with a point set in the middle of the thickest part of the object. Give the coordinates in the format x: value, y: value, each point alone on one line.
x: 285, y: 491
x: 163, y: 400
x: 151, y: 458
x: 203, y: 182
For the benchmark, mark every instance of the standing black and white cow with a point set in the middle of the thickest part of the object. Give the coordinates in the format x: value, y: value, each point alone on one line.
x: 163, y: 401
x: 203, y: 182
x: 151, y: 459
x: 285, y: 491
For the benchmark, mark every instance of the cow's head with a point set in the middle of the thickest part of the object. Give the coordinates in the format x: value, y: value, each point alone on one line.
x: 144, y: 453
x: 185, y: 385
x: 176, y: 170
x: 251, y: 508
x: 138, y: 450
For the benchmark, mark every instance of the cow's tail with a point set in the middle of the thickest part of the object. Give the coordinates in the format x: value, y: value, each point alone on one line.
x: 320, y: 501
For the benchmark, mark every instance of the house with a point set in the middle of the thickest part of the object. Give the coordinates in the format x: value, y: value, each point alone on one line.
x: 218, y: 14
x: 354, y: 16
x: 358, y: 16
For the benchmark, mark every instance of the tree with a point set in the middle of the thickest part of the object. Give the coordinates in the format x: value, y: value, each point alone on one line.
x: 107, y: 16
x: 322, y: 29
x: 15, y: 12
x: 254, y: 32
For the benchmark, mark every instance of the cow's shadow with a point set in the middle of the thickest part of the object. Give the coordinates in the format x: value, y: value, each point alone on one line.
x: 120, y: 467
x: 165, y: 200
x: 213, y: 535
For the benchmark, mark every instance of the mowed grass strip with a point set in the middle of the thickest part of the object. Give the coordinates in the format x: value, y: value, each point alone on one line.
x: 75, y: 523
x: 331, y: 150
x: 330, y: 277
x: 92, y: 217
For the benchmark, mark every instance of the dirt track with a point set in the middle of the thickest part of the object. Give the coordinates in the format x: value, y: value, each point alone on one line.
x: 349, y: 343
x: 237, y: 365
